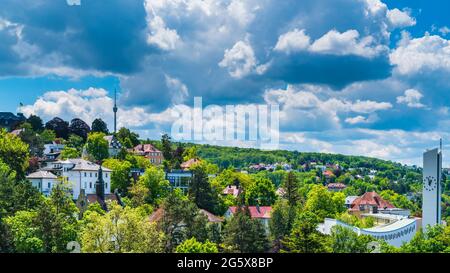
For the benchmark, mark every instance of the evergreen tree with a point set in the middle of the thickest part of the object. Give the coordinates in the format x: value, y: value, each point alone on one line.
x: 201, y: 191
x: 305, y: 238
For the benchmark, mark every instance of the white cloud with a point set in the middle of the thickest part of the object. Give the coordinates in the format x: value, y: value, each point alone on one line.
x: 302, y: 109
x: 240, y: 60
x: 179, y: 91
x: 347, y: 43
x: 430, y: 53
x: 356, y: 120
x: 161, y: 36
x: 411, y: 98
x: 293, y: 41
x: 400, y: 19
x: 88, y: 105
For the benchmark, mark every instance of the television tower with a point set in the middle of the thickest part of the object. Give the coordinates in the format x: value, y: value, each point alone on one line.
x: 115, y: 111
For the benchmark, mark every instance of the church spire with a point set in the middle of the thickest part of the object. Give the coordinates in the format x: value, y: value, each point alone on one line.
x: 115, y: 111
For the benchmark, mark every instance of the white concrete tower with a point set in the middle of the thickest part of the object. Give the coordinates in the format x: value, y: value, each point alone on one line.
x: 431, y: 204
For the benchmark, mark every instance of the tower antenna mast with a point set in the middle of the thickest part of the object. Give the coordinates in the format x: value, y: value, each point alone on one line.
x: 115, y: 110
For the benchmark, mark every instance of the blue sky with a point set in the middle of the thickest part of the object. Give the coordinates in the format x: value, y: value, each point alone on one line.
x: 366, y: 77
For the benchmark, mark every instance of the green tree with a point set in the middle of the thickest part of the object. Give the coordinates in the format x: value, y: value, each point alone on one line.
x: 434, y: 240
x: 99, y: 126
x: 261, y: 192
x: 166, y: 143
x: 36, y: 123
x: 305, y: 238
x: 282, y: 220
x: 154, y: 179
x: 68, y: 153
x: 344, y: 240
x: 244, y: 234
x: 121, y: 230
x: 127, y: 138
x: 48, y: 136
x: 120, y: 176
x: 97, y: 146
x: 291, y: 187
x: 201, y: 191
x: 15, y: 195
x: 24, y: 232
x: 76, y: 142
x: 14, y: 153
x: 56, y: 220
x: 324, y: 203
x: 182, y: 220
x: 34, y: 141
x: 194, y: 246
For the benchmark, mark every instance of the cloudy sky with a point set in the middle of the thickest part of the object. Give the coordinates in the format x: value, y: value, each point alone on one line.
x: 365, y: 77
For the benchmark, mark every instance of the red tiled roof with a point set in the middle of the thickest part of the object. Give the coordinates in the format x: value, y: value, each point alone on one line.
x: 256, y: 212
x: 189, y: 163
x: 371, y: 199
x: 146, y: 148
x: 328, y: 173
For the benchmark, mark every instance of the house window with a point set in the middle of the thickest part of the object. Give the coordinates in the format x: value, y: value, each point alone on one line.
x: 90, y: 185
x: 106, y: 175
x: 106, y: 186
x: 95, y: 174
x: 49, y: 185
x: 85, y: 174
x: 90, y: 174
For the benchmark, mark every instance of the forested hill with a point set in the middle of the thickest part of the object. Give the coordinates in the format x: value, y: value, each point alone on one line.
x: 226, y: 157
x: 243, y: 157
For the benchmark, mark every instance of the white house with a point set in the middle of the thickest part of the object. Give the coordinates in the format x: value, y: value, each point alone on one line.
x: 43, y: 181
x: 53, y: 148
x: 80, y: 174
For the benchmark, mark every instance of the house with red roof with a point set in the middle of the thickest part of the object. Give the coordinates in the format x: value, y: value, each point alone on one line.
x: 262, y: 213
x: 370, y: 202
x: 149, y: 151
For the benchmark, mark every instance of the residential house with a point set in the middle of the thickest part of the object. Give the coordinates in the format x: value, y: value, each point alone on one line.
x: 188, y: 164
x: 80, y: 174
x: 114, y: 145
x: 149, y: 151
x: 44, y: 181
x: 262, y: 213
x: 180, y: 179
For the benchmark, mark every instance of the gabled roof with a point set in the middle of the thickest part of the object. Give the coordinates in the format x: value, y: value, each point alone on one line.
x: 371, y: 199
x: 145, y: 148
x: 211, y: 217
x: 256, y: 212
x: 84, y: 165
x: 41, y: 175
x: 189, y: 163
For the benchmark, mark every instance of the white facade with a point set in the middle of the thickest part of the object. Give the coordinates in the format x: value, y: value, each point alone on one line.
x: 80, y: 174
x: 431, y: 205
x: 43, y: 181
x: 397, y: 233
x: 53, y: 148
